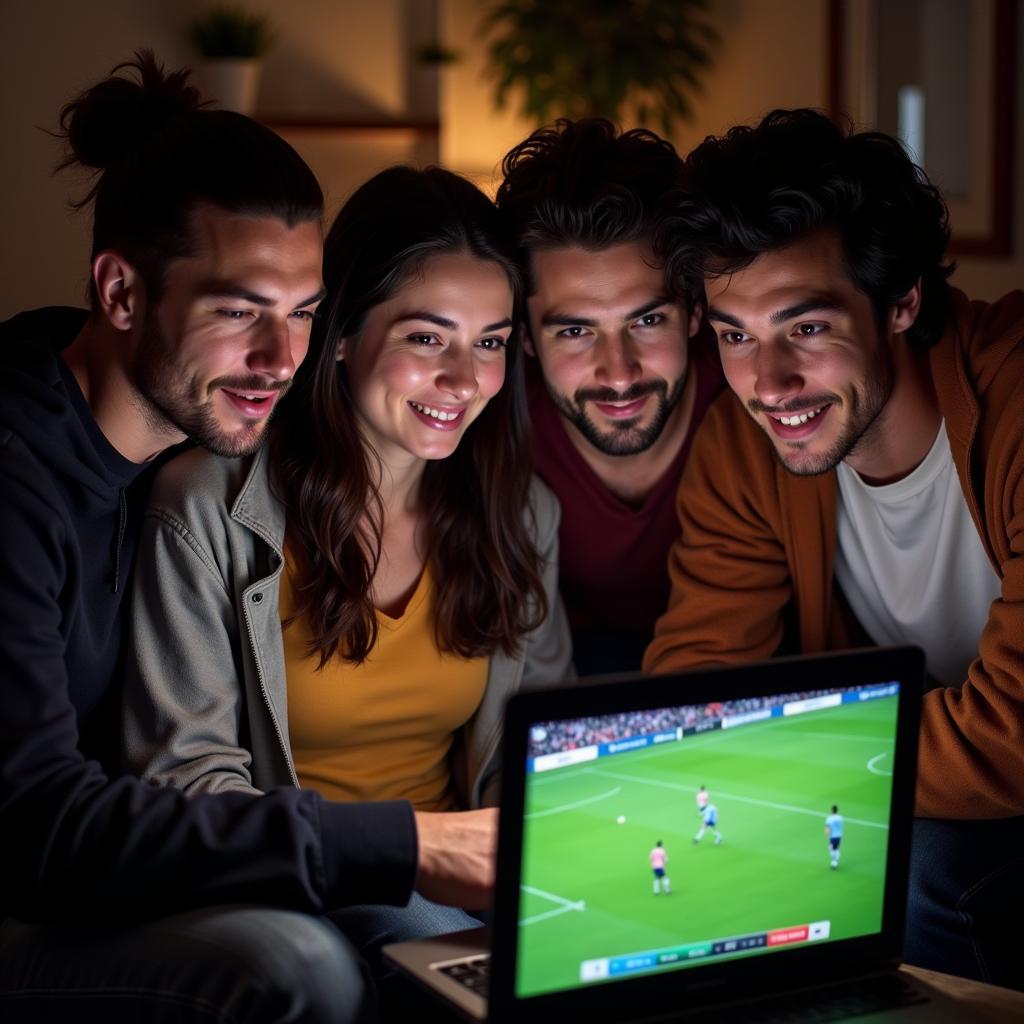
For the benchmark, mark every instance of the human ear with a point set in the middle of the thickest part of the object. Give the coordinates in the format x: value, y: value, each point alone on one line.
x: 119, y: 289
x: 696, y: 315
x: 903, y: 312
x: 339, y: 353
x: 526, y: 341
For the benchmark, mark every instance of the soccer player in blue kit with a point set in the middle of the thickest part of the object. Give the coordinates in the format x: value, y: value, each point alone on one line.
x: 709, y: 820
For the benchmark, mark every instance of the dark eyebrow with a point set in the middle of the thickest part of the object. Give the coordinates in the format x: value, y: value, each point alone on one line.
x: 431, y: 318
x: 449, y: 325
x: 648, y: 307
x: 319, y: 297
x: 499, y: 326
x: 823, y: 303
x: 716, y: 314
x: 218, y: 289
x: 566, y: 320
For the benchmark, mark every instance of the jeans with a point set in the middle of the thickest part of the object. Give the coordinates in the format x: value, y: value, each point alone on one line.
x: 226, y: 964
x: 966, y: 899
x: 371, y: 927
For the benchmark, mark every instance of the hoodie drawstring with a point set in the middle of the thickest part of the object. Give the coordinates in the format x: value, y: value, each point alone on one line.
x: 122, y: 524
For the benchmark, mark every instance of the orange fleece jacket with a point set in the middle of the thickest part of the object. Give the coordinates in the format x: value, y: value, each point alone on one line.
x: 752, y: 569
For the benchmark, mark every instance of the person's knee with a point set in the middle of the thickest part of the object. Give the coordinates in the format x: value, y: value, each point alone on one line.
x: 229, y: 964
x: 370, y: 927
x: 296, y: 968
x: 965, y: 888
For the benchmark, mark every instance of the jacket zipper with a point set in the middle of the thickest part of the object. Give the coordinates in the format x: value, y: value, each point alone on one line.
x: 266, y: 698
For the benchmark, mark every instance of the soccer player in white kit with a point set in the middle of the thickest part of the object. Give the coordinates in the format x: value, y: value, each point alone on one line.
x: 834, y: 831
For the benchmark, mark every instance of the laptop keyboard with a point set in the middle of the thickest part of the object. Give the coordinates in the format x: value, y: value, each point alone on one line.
x: 818, y: 1006
x: 473, y: 972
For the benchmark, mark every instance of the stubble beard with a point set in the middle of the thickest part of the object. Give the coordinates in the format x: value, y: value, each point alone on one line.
x: 866, y: 406
x: 624, y: 438
x: 172, y: 403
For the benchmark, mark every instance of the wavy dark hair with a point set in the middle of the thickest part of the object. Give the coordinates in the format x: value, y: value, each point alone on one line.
x: 756, y: 189
x: 585, y: 183
x: 489, y: 591
x: 158, y: 153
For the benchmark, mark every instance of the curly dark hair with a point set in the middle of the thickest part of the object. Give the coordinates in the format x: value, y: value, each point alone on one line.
x: 585, y: 183
x: 756, y: 189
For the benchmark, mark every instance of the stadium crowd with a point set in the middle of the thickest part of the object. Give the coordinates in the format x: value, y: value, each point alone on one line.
x: 573, y: 733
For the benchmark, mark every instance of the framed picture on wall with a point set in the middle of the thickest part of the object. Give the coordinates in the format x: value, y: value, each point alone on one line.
x: 940, y: 75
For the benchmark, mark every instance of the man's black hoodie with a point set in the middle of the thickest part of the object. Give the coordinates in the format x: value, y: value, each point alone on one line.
x: 78, y: 837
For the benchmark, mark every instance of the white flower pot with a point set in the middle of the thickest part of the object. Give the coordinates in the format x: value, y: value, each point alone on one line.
x: 232, y: 82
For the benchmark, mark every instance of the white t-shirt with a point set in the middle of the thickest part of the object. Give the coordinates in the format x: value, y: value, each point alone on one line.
x: 911, y: 564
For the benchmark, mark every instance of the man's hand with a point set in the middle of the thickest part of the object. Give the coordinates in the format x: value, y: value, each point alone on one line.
x: 456, y: 858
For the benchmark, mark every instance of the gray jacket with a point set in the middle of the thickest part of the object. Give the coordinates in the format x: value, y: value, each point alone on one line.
x: 205, y: 699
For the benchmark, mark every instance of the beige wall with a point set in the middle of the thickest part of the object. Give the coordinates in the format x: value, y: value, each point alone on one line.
x: 771, y: 55
x: 344, y: 57
x: 52, y: 49
x: 347, y: 57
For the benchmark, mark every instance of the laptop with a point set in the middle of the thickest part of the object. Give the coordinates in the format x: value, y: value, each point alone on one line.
x: 722, y: 844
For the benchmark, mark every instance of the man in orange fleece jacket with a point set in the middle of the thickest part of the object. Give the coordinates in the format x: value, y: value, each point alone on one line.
x: 863, y: 482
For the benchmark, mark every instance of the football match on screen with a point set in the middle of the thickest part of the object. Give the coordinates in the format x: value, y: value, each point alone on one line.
x: 669, y: 838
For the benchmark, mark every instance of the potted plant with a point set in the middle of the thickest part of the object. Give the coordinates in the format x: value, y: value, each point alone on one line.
x: 232, y: 42
x: 640, y: 60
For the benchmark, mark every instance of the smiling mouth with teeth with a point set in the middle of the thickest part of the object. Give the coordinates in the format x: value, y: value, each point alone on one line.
x: 437, y: 414
x: 796, y: 419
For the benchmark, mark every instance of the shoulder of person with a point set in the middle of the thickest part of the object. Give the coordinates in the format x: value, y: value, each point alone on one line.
x: 989, y: 332
x: 729, y: 440
x: 197, y: 481
x: 30, y: 490
x: 543, y: 509
x: 989, y: 337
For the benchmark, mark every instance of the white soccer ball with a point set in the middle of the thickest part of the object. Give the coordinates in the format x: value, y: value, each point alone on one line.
x: 621, y: 819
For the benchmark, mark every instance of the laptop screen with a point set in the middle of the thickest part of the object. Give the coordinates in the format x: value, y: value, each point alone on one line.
x: 667, y: 838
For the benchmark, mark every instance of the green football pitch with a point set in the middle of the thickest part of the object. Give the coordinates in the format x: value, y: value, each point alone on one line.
x: 587, y: 888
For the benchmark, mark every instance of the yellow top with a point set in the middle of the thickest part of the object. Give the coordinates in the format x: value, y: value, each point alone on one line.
x: 381, y: 730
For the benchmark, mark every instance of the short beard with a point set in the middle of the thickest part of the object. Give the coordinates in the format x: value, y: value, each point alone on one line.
x: 625, y: 438
x: 865, y: 409
x: 170, y: 402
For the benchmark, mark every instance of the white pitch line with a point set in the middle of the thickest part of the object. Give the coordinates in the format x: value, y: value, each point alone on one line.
x: 560, y: 900
x: 572, y: 807
x: 564, y: 905
x: 580, y: 905
x: 738, y: 799
x: 877, y: 771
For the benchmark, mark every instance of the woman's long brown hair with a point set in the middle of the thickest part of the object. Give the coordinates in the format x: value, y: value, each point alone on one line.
x: 486, y: 569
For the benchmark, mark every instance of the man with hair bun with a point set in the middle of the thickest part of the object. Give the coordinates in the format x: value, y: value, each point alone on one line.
x: 120, y: 900
x: 621, y: 377
x: 862, y: 482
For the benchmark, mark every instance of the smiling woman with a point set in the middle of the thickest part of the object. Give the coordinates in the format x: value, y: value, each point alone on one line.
x: 433, y: 355
x: 416, y: 385
x: 385, y: 572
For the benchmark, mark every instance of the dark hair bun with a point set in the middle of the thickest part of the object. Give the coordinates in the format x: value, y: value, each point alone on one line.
x: 116, y: 116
